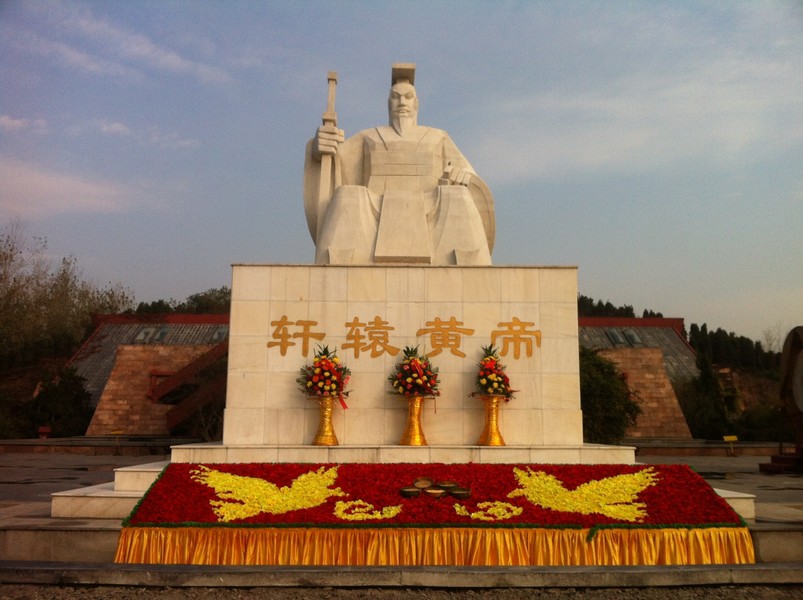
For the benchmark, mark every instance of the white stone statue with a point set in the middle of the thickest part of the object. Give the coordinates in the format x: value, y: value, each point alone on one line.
x: 397, y: 194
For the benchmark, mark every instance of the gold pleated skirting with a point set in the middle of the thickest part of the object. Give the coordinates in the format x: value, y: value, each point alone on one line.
x: 433, y: 546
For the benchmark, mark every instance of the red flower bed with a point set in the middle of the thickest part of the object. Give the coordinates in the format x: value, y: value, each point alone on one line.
x: 348, y: 495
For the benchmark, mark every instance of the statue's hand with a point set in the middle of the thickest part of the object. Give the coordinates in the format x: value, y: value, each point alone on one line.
x: 327, y: 139
x: 456, y: 175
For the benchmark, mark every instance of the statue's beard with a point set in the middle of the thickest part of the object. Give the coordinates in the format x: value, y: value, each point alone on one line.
x: 403, y: 123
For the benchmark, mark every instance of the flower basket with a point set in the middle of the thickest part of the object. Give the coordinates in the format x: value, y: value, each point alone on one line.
x: 324, y: 380
x: 415, y: 378
x: 326, y: 376
x: 491, y: 378
x: 415, y: 375
x: 492, y: 386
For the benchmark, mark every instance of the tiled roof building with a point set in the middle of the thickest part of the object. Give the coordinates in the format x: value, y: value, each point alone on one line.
x: 652, y: 353
x: 141, y: 370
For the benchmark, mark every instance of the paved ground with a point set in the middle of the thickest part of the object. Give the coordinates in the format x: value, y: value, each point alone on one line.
x: 33, y: 477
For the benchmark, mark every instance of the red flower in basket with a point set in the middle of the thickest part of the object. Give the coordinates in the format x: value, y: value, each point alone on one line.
x: 415, y: 375
x: 326, y: 376
x: 491, y: 378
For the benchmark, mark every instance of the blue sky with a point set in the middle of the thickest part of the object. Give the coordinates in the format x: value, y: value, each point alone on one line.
x: 656, y: 145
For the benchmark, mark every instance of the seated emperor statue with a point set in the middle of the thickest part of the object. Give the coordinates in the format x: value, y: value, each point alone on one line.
x: 397, y: 194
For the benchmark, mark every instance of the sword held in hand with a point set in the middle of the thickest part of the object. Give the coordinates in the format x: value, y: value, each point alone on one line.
x: 329, y: 120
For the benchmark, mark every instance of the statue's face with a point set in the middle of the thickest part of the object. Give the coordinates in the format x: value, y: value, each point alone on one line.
x: 402, y: 101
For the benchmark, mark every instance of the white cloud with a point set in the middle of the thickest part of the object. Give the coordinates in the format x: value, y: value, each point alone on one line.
x: 156, y: 137
x: 31, y: 192
x: 640, y: 125
x: 115, y: 44
x: 68, y: 55
x: 149, y: 136
x: 11, y: 124
x: 724, y: 108
x: 115, y: 128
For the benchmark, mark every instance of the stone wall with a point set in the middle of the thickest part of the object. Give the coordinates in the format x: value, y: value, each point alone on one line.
x: 124, y: 405
x: 646, y: 376
x: 369, y: 314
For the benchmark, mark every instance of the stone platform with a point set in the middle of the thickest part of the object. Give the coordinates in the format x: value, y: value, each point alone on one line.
x: 584, y: 454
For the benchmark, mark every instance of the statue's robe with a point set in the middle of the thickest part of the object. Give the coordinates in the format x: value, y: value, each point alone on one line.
x: 388, y: 202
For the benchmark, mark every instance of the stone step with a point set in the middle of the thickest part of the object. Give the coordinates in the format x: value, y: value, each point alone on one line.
x: 114, y: 500
x: 743, y: 504
x: 216, y: 452
x: 395, y: 581
x: 94, y: 502
x: 137, y: 478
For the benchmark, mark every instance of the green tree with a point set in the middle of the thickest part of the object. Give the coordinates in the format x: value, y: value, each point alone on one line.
x: 727, y: 349
x: 586, y: 307
x: 63, y: 404
x: 609, y: 408
x: 212, y: 301
x: 704, y: 404
x: 45, y: 311
x: 157, y: 307
x: 14, y: 420
x: 764, y: 423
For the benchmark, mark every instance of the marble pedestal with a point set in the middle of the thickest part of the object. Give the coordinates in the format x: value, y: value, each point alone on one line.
x: 281, y: 313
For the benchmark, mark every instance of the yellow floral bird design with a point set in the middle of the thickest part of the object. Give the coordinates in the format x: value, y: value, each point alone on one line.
x: 241, y: 497
x: 614, y: 497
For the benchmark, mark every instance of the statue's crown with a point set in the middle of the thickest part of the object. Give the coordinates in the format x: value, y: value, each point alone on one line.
x: 402, y: 73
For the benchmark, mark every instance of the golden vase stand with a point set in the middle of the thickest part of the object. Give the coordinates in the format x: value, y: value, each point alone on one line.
x: 413, y: 432
x: 325, y: 436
